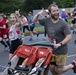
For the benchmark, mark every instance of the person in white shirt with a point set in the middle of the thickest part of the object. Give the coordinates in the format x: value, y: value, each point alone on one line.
x: 13, y: 35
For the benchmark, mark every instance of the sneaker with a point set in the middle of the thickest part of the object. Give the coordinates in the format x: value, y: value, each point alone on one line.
x: 30, y: 39
x: 74, y: 68
x: 37, y: 34
x: 16, y: 73
x: 23, y: 36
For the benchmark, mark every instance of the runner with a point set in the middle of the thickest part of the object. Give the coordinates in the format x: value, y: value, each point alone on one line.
x: 4, y: 33
x: 13, y: 34
x: 32, y: 26
x: 25, y: 24
x: 59, y: 33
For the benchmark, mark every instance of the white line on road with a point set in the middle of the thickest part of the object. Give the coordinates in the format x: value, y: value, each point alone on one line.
x: 50, y: 43
x: 71, y: 55
x: 67, y: 56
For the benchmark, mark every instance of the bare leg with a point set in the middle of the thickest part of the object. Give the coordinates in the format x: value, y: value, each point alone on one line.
x: 34, y: 32
x: 46, y: 70
x: 59, y: 70
x: 24, y: 62
x: 63, y: 69
x: 52, y: 69
x: 31, y: 34
x: 39, y: 62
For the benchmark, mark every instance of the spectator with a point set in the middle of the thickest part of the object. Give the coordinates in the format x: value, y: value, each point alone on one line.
x: 25, y: 23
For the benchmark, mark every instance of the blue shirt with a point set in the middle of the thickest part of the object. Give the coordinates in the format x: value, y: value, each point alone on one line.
x: 63, y: 15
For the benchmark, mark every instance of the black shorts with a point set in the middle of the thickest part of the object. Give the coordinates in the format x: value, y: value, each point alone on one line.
x: 14, y: 45
x: 26, y: 27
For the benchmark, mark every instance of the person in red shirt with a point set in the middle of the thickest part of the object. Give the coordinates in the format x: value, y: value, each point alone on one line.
x: 3, y: 32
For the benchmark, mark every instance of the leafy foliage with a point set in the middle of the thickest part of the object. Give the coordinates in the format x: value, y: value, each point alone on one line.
x: 30, y: 5
x: 65, y: 3
x: 8, y: 6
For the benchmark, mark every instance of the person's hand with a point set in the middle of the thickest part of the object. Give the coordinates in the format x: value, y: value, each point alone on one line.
x: 17, y: 13
x: 18, y: 10
x: 41, y: 13
x: 57, y: 45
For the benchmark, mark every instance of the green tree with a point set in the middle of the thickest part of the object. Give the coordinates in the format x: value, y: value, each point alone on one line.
x: 8, y: 6
x: 65, y: 3
x: 30, y: 5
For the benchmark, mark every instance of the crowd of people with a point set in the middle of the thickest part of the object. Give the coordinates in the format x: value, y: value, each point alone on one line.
x: 11, y: 29
x: 56, y: 28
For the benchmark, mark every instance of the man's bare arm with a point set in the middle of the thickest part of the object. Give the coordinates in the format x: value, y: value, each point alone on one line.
x: 67, y: 39
x: 35, y: 19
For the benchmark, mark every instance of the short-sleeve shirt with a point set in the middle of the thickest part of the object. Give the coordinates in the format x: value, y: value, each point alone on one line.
x: 13, y: 35
x: 32, y: 25
x: 25, y: 22
x: 30, y: 19
x: 58, y: 31
x: 63, y: 15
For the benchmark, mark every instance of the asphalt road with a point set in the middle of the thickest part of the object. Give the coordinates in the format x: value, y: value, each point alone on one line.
x: 71, y: 51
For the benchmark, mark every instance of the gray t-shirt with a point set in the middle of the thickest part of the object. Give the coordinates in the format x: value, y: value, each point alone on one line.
x: 58, y: 31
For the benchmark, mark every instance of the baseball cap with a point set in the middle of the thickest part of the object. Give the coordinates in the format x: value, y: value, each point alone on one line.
x: 63, y: 9
x: 46, y: 11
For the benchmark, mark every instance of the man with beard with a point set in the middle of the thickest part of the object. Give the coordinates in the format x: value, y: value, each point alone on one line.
x: 59, y: 34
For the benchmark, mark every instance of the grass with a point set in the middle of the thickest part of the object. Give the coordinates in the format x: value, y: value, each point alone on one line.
x: 37, y: 29
x: 40, y: 29
x: 69, y: 22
